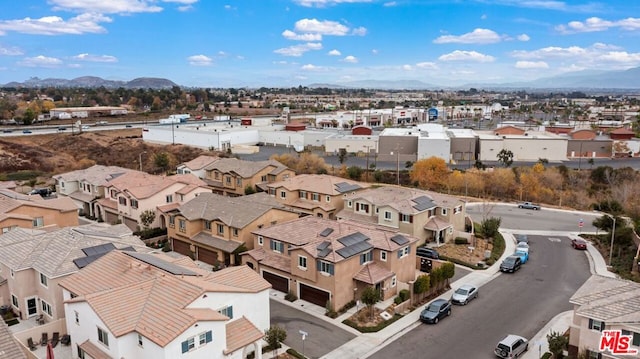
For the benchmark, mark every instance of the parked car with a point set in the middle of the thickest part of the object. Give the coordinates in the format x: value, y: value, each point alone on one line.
x: 529, y: 205
x: 44, y: 192
x: 522, y: 238
x: 511, y: 346
x: 128, y: 126
x: 62, y: 128
x: 435, y: 311
x: 427, y: 253
x: 511, y: 264
x: 85, y: 127
x: 522, y: 247
x: 524, y: 256
x: 7, y: 131
x: 26, y: 131
x: 464, y: 294
x: 578, y: 243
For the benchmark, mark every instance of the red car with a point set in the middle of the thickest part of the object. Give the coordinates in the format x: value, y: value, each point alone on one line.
x: 578, y: 243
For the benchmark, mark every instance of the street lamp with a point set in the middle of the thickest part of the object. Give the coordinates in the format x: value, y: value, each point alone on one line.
x: 613, y: 236
x: 140, y: 159
x: 397, y: 163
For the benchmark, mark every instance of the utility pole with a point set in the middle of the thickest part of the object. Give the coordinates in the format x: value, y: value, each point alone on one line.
x: 366, y: 173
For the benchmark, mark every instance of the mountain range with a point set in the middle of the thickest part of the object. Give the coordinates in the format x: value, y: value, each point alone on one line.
x: 581, y: 80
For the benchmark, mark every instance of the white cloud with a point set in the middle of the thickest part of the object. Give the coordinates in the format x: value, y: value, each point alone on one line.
x: 222, y: 54
x: 321, y: 27
x: 350, y: 59
x: 407, y: 67
x: 95, y: 58
x: 290, y: 35
x: 477, y: 36
x: 374, y: 51
x: 596, y: 56
x: 470, y: 56
x: 334, y: 53
x: 108, y: 7
x: 41, y: 61
x: 54, y: 25
x: 426, y: 65
x: 531, y: 65
x: 310, y: 67
x: 325, y: 3
x: 483, y: 17
x: 523, y: 37
x: 390, y: 4
x: 551, y: 51
x: 10, y: 51
x: 200, y: 60
x: 359, y: 31
x: 298, y: 50
x: 594, y: 24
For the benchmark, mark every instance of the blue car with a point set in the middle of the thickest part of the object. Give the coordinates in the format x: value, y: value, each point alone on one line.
x: 524, y: 256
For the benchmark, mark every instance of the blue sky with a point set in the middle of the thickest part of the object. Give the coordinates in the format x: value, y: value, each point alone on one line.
x: 282, y: 43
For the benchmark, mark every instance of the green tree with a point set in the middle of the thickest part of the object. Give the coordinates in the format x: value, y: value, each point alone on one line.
x: 448, y: 271
x: 274, y: 336
x: 354, y: 172
x: 505, y: 157
x: 490, y: 226
x: 422, y: 284
x: 249, y: 190
x: 342, y: 155
x: 161, y: 160
x: 557, y: 343
x: 369, y: 297
x: 147, y: 217
x: 28, y: 117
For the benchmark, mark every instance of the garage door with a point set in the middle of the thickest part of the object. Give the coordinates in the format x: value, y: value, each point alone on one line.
x: 314, y: 295
x: 207, y: 256
x: 278, y: 282
x: 181, y: 247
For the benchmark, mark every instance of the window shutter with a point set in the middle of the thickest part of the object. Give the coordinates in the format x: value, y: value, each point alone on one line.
x: 271, y: 244
x: 208, y: 336
x: 410, y: 219
x: 185, y: 346
x: 409, y: 250
x: 357, y: 206
x: 230, y: 311
x: 331, y: 269
x: 318, y: 266
x: 590, y: 323
x: 400, y: 253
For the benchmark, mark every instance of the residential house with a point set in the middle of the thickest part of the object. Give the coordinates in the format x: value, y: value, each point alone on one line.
x: 213, y: 228
x: 315, y: 195
x: 86, y: 186
x: 604, y: 303
x: 428, y: 216
x: 33, y: 262
x: 133, y: 193
x: 35, y: 212
x: 326, y: 261
x: 197, y: 166
x: 136, y: 305
x: 234, y: 177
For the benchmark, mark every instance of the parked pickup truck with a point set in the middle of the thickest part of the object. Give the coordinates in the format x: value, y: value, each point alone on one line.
x: 529, y: 205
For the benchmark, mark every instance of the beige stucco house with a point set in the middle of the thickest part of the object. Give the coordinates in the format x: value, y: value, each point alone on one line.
x: 232, y: 177
x: 35, y: 212
x: 428, y: 216
x: 327, y: 261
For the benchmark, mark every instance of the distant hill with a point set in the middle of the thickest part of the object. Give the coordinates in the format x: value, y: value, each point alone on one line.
x: 379, y: 84
x: 93, y: 82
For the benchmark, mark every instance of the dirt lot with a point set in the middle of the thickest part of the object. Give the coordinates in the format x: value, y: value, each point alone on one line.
x: 463, y: 253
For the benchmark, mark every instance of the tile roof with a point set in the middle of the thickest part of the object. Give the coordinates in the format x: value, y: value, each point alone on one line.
x: 240, y: 333
x: 53, y: 253
x: 243, y: 168
x: 218, y: 243
x: 402, y: 198
x: 9, y: 348
x: 199, y: 162
x: 4, y: 192
x: 436, y: 224
x: 93, y: 350
x: 306, y: 232
x: 157, y: 302
x: 611, y: 300
x: 62, y: 204
x: 373, y: 273
x: 143, y: 185
x: 323, y: 184
x: 97, y: 175
x: 236, y: 212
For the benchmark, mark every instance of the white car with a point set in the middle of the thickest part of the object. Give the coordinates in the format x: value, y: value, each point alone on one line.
x: 464, y: 294
x: 85, y: 127
x: 522, y: 247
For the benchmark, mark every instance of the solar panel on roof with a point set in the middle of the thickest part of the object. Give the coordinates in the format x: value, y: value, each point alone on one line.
x: 325, y: 232
x: 323, y: 253
x: 346, y: 187
x: 323, y: 245
x: 85, y: 261
x: 422, y: 203
x: 99, y: 249
x: 352, y: 239
x: 399, y: 239
x: 160, y: 264
x: 354, y: 249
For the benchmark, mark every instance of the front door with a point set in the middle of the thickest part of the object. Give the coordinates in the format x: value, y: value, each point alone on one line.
x: 32, y: 308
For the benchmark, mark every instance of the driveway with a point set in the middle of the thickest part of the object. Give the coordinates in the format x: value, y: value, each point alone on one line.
x: 323, y: 336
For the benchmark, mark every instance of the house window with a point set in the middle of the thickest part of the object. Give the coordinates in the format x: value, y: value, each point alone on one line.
x: 189, y: 344
x: 594, y: 355
x: 325, y: 267
x: 43, y: 280
x: 457, y: 209
x: 238, y: 182
x: 228, y: 179
x: 260, y: 240
x: 366, y: 257
x: 172, y: 221
x: 362, y: 207
x: 227, y: 311
x: 349, y: 204
x: 38, y: 222
x: 403, y: 252
x: 283, y: 194
x: 14, y: 301
x: 302, y: 262
x: 46, y: 307
x: 596, y: 325
x: 383, y: 256
x: 406, y: 218
x: 444, y: 211
x: 302, y: 194
x: 216, y: 175
x: 202, y: 339
x: 235, y: 232
x: 328, y: 199
x: 263, y: 178
x: 113, y: 193
x: 205, y: 338
x: 315, y: 197
x: 394, y: 281
x: 139, y: 340
x: 181, y: 196
x: 220, y: 228
x: 134, y: 203
x: 122, y: 201
x: 182, y: 225
x: 77, y: 317
x: 272, y: 191
x: 277, y: 246
x: 103, y: 337
x: 387, y: 215
x: 169, y: 198
x: 636, y: 337
x: 80, y: 352
x: 207, y: 225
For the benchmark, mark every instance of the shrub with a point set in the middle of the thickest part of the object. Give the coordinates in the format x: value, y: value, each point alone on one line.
x: 346, y: 307
x: 372, y: 329
x: 291, y: 297
x: 404, y: 294
x: 460, y: 240
x: 293, y: 352
x: 498, y: 248
x: 397, y: 300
